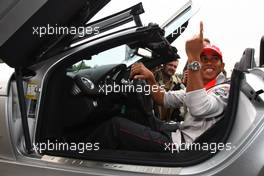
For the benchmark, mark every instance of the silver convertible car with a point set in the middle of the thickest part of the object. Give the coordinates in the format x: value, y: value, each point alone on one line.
x: 54, y: 62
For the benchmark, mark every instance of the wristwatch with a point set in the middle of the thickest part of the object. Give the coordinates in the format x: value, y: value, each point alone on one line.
x: 194, y: 66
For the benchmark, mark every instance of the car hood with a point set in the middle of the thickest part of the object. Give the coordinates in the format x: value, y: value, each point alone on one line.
x: 21, y: 22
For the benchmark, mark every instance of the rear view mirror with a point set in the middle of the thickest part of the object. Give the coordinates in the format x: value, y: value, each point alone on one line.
x: 144, y: 53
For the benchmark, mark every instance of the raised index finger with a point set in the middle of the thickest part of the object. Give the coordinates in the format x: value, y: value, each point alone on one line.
x: 201, y: 31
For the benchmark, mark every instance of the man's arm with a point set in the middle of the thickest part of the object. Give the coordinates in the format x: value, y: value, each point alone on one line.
x: 193, y: 49
x: 139, y: 71
x: 207, y: 105
x: 199, y: 102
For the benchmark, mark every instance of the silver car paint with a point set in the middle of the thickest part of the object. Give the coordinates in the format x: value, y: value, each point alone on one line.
x: 6, y: 147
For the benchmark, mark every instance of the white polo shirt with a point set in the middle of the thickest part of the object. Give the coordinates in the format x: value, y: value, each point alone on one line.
x: 204, y: 109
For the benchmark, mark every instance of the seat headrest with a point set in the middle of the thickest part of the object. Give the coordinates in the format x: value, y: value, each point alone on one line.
x: 247, y: 61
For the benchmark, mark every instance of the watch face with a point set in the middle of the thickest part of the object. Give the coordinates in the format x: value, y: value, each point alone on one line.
x: 195, y: 65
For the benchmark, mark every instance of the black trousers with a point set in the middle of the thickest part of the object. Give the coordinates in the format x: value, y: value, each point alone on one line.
x: 121, y: 133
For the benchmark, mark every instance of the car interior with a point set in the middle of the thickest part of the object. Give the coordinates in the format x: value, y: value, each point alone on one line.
x: 72, y: 110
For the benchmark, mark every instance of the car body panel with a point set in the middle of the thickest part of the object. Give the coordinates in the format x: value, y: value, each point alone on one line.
x: 6, y: 149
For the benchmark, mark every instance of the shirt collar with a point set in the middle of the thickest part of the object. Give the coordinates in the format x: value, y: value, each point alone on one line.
x: 218, y: 80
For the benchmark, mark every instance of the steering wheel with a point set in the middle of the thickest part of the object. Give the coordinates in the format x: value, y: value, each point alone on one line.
x: 141, y: 96
x: 86, y: 86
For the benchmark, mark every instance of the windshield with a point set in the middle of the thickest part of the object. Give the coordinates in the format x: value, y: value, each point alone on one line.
x: 120, y: 54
